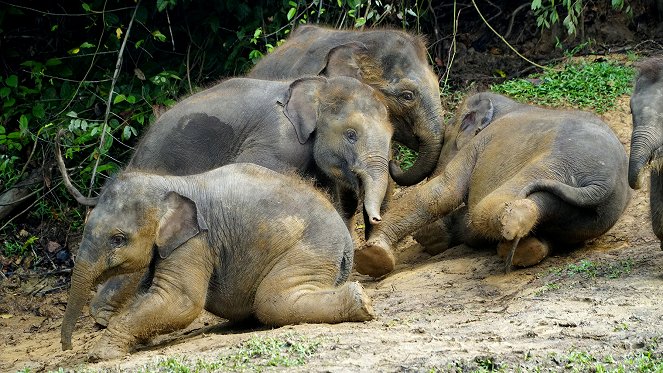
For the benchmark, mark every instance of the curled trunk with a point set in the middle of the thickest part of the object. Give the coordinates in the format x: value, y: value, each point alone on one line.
x: 429, y: 134
x: 644, y: 142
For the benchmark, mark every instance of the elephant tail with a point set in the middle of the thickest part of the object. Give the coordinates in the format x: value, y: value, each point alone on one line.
x: 585, y: 196
x: 345, y: 267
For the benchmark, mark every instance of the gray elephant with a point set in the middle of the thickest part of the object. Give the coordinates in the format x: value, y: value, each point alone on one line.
x: 530, y: 177
x: 239, y: 241
x: 392, y: 61
x: 647, y: 136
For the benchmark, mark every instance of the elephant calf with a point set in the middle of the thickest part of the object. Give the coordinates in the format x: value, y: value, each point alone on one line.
x: 647, y: 136
x: 239, y: 241
x: 528, y: 176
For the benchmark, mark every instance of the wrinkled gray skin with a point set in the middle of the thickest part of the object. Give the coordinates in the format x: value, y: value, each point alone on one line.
x: 239, y: 241
x: 335, y: 130
x: 528, y: 176
x: 391, y: 61
x: 647, y: 136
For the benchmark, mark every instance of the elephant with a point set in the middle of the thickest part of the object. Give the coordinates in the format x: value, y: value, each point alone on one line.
x: 647, y: 136
x: 240, y: 241
x: 335, y: 130
x: 392, y: 61
x: 529, y: 177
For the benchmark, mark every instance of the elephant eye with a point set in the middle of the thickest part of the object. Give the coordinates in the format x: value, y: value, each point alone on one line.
x: 407, y: 95
x: 351, y: 135
x: 118, y: 240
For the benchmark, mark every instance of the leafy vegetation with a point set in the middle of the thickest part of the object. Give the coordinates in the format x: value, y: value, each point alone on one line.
x: 584, y: 85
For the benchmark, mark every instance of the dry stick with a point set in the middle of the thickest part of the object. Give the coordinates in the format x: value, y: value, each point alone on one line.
x: 118, y: 64
x: 172, y: 38
x: 506, y: 42
x: 452, y: 47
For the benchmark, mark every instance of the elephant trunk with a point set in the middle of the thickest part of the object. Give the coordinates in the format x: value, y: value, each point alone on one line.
x: 429, y: 134
x: 375, y: 182
x: 82, y: 280
x: 644, y: 142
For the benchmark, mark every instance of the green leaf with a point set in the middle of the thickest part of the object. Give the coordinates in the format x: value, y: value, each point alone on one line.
x: 126, y: 133
x: 86, y: 45
x: 53, y: 62
x: 38, y: 110
x: 360, y: 22
x: 536, y: 4
x: 291, y: 13
x: 72, y: 114
x: 2, y: 130
x: 131, y: 99
x: 23, y: 124
x: 158, y: 35
x: 86, y: 7
x: 4, y: 92
x: 119, y: 98
x: 12, y: 81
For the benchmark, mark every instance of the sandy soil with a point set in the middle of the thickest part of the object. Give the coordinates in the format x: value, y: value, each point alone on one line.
x: 453, y: 311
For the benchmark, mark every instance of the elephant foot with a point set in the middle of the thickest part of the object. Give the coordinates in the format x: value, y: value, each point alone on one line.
x: 529, y: 251
x: 374, y: 259
x: 107, y: 348
x: 101, y: 316
x: 517, y: 218
x: 364, y: 306
x: 433, y: 238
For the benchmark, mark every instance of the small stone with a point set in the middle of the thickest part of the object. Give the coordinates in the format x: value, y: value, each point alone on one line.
x: 53, y: 246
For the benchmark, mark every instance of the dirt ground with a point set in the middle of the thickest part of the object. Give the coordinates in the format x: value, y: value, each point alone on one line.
x: 453, y: 311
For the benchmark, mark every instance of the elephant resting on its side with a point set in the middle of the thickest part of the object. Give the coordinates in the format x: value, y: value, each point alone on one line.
x: 647, y: 136
x: 529, y: 177
x: 238, y: 241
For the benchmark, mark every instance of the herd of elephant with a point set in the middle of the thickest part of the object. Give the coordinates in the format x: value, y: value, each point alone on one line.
x: 241, y: 199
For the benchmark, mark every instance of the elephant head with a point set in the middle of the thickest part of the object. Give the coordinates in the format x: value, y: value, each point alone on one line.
x: 128, y: 227
x: 647, y: 111
x: 473, y: 115
x: 411, y: 91
x: 351, y: 131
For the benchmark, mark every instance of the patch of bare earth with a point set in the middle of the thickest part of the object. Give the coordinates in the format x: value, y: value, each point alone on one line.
x: 455, y: 310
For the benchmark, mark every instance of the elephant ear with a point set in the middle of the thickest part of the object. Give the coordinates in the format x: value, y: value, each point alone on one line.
x: 474, y: 121
x: 345, y: 60
x: 180, y: 222
x: 301, y: 105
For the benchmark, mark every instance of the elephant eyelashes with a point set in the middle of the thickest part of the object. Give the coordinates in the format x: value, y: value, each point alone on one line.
x: 351, y: 135
x: 118, y: 240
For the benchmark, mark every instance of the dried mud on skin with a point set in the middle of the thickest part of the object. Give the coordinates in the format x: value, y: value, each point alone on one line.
x: 448, y: 311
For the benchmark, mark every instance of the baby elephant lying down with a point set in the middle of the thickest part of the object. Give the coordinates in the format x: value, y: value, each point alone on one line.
x: 240, y: 241
x: 528, y: 176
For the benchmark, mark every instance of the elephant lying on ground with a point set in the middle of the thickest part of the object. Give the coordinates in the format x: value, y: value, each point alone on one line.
x: 529, y: 176
x: 239, y: 241
x: 392, y: 61
x: 647, y: 136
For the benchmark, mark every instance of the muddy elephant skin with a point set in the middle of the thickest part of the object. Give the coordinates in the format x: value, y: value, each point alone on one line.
x: 529, y: 177
x: 392, y: 61
x: 239, y: 241
x: 647, y: 136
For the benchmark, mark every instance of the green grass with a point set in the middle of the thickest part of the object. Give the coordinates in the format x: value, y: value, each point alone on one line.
x: 404, y: 156
x: 583, y: 85
x: 253, y: 355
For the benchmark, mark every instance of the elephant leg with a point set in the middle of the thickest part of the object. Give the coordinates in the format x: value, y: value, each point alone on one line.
x: 656, y: 202
x: 529, y: 251
x: 172, y: 302
x: 445, y: 233
x: 296, y: 294
x: 503, y: 216
x: 112, y: 295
